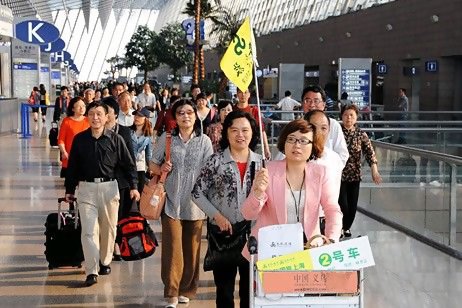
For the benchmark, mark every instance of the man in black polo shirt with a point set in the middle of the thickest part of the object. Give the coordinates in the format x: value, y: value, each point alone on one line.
x: 95, y: 155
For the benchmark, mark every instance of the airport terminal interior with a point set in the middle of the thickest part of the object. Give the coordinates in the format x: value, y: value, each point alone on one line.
x: 408, y: 273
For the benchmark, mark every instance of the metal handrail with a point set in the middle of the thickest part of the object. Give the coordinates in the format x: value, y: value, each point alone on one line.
x: 381, y: 122
x: 449, y: 159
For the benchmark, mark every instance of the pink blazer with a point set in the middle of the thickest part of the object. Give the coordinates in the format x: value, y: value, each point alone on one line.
x: 320, y: 190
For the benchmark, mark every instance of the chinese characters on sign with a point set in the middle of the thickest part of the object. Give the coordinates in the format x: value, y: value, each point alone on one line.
x: 237, y: 63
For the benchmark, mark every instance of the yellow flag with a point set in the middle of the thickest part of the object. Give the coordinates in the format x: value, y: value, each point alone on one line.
x: 237, y: 63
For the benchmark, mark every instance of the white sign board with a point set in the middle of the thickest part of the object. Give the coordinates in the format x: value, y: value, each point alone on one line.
x: 277, y: 240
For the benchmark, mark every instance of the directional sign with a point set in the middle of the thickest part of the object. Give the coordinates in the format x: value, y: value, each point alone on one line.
x: 355, y: 79
x: 36, y: 32
x: 55, y: 46
x: 60, y: 56
x: 69, y: 62
x: 431, y: 66
x: 25, y: 66
x: 382, y: 68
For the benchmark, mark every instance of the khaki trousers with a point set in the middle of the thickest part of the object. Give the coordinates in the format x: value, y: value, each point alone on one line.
x: 98, y: 208
x: 181, y: 246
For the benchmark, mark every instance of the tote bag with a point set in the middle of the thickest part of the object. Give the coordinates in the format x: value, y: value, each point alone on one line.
x: 152, y: 199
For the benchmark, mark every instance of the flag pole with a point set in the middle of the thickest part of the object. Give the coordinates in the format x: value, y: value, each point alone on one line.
x: 259, y: 110
x: 255, y: 64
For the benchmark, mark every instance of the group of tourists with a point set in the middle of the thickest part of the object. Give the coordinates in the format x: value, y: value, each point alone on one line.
x: 215, y: 174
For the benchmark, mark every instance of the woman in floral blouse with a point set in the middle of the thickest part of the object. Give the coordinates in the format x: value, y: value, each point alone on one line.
x: 221, y: 188
x: 358, y: 143
x: 214, y: 130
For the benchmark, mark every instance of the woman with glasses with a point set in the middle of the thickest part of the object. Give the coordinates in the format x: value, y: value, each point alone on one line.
x: 182, y: 220
x: 292, y: 190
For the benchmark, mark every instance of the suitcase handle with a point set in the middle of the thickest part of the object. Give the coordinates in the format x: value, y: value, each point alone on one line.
x: 64, y: 199
x: 76, y: 212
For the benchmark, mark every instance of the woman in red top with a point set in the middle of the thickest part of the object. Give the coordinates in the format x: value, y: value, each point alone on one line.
x: 165, y: 121
x: 74, y: 123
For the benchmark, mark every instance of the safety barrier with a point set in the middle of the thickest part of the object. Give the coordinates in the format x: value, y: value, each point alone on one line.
x: 25, y: 125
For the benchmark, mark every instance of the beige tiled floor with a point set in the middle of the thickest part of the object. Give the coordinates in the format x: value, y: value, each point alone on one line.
x: 407, y: 274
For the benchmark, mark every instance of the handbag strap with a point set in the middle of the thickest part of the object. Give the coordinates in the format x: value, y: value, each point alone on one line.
x: 168, y: 145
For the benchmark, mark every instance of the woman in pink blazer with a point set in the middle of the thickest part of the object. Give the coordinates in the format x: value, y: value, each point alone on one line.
x: 291, y: 190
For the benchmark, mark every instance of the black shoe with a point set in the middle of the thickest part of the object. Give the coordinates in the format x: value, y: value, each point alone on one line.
x: 104, y: 269
x: 91, y: 280
x: 116, y: 257
x: 347, y: 233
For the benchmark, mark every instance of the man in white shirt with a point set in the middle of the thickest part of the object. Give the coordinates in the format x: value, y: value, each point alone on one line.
x: 125, y: 118
x: 149, y: 100
x: 287, y: 104
x: 314, y: 98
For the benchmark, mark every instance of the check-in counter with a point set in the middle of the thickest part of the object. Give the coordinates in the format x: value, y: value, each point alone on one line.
x: 9, y: 115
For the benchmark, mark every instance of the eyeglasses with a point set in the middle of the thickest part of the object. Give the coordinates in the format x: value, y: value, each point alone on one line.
x: 316, y: 101
x: 302, y: 141
x: 183, y: 113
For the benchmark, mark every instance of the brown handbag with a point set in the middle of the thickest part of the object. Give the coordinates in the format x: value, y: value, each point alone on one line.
x: 152, y: 199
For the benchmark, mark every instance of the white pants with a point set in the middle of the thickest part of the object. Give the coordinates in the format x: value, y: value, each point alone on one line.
x: 98, y: 208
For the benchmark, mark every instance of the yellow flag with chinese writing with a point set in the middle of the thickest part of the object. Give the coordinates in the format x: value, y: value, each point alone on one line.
x: 237, y: 63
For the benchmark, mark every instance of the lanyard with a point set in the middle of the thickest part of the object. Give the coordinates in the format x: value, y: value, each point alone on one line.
x: 297, y: 205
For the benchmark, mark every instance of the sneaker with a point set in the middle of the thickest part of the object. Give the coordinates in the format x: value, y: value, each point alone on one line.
x: 183, y: 299
x: 435, y: 183
x: 172, y: 302
x: 347, y: 233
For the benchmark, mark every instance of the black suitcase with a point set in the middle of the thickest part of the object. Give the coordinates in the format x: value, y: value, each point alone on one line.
x: 53, y: 134
x: 63, y: 246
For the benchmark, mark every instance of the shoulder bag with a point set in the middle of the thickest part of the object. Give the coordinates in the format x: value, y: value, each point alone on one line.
x: 152, y: 199
x: 225, y: 249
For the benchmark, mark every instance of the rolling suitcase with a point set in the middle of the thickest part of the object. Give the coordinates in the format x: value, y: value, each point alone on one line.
x: 53, y: 134
x: 63, y: 246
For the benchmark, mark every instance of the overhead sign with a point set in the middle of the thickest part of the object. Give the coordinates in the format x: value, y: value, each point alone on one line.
x: 69, y: 62
x: 36, y: 32
x: 189, y: 27
x: 382, y: 68
x: 55, y: 46
x: 355, y: 80
x: 60, y: 56
x: 431, y: 66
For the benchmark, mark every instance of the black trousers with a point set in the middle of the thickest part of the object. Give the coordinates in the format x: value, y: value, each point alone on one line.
x: 141, y: 180
x: 348, y: 201
x: 125, y: 203
x: 225, y: 279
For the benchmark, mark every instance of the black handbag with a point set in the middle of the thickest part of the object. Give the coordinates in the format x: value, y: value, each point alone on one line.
x: 225, y: 249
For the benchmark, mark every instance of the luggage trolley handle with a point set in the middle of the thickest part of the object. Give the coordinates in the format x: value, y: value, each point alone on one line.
x: 252, y: 245
x: 76, y: 212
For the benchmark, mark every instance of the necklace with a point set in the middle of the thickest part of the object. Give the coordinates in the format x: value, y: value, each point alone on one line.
x: 297, y: 205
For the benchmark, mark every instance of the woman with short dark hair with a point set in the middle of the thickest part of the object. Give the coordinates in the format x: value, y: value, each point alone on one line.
x: 358, y: 143
x: 74, y: 123
x: 222, y: 186
x: 293, y: 189
x: 215, y: 129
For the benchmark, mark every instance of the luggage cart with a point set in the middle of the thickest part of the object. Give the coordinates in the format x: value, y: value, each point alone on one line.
x: 259, y: 299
